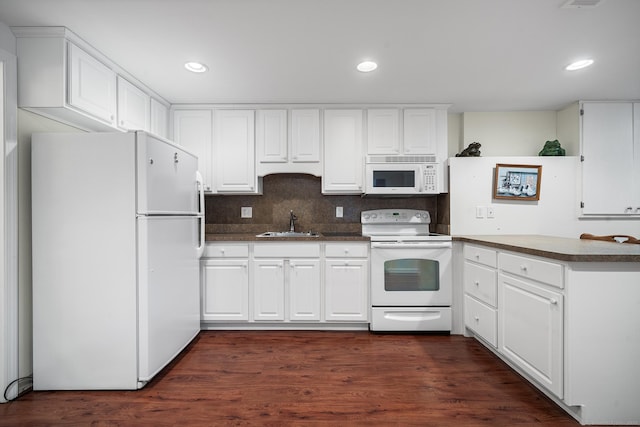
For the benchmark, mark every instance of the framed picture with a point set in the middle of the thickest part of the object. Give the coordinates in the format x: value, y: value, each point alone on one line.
x: 517, y: 182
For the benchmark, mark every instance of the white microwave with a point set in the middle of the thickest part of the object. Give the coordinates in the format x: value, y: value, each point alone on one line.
x: 403, y: 175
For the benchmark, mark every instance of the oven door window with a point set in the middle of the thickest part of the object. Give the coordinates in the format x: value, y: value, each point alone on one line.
x: 394, y: 179
x: 402, y: 275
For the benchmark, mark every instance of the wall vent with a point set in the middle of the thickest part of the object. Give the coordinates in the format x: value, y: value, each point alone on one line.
x: 577, y: 4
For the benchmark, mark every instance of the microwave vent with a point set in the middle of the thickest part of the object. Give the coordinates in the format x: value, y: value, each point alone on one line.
x: 401, y: 159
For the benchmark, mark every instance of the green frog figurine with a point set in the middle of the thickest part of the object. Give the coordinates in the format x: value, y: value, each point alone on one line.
x: 552, y: 148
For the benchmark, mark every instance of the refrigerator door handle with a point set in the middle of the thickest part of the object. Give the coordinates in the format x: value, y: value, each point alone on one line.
x: 201, y: 216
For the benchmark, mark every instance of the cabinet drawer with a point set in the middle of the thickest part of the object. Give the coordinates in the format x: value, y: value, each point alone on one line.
x: 481, y: 282
x: 536, y: 269
x: 226, y: 250
x: 480, y: 255
x: 481, y: 319
x: 286, y: 250
x: 346, y: 250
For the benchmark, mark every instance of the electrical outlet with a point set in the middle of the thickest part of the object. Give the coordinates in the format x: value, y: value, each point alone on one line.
x: 481, y: 211
x: 246, y: 212
x: 491, y: 213
x: 338, y: 211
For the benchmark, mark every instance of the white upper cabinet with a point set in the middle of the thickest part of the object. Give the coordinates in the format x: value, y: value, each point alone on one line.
x: 133, y: 107
x: 193, y: 129
x: 420, y: 131
x: 288, y: 146
x: 159, y: 119
x: 610, y: 150
x: 234, y: 152
x: 383, y: 131
x: 92, y: 85
x: 305, y: 135
x: 408, y: 131
x: 343, y: 154
x: 271, y: 136
x: 62, y: 77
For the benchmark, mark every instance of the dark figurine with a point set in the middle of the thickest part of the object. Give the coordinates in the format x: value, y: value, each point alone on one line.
x: 552, y: 148
x: 473, y: 150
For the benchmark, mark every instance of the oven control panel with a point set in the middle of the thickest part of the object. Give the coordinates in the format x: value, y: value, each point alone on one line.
x: 395, y: 216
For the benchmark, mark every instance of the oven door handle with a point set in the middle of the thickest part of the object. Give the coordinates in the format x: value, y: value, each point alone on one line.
x: 423, y: 245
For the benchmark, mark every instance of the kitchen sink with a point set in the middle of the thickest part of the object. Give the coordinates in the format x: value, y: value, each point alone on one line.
x: 288, y: 234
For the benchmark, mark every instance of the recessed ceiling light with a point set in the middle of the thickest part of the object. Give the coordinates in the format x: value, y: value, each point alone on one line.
x: 367, y: 66
x: 579, y: 64
x: 196, y: 67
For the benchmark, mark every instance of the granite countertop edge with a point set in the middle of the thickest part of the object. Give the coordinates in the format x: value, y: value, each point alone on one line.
x: 251, y: 237
x: 559, y: 248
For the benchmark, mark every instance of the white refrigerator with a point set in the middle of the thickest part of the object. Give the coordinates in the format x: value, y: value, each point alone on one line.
x: 117, y: 233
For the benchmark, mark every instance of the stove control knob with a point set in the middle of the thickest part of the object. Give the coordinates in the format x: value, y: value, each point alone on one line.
x: 365, y: 216
x: 374, y: 216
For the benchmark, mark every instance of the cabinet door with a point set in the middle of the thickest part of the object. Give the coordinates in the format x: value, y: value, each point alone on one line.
x: 271, y: 136
x: 304, y: 289
x: 343, y: 155
x: 158, y: 119
x: 346, y: 290
x: 420, y: 131
x: 305, y: 135
x: 608, y: 166
x: 92, y: 85
x: 193, y: 130
x: 133, y: 107
x: 383, y: 131
x: 530, y: 320
x: 225, y: 290
x: 268, y: 290
x: 234, y: 151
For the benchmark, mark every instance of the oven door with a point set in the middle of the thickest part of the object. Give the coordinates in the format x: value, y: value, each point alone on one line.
x: 411, y: 274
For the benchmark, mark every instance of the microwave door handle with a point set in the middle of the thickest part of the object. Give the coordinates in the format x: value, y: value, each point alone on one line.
x: 423, y: 177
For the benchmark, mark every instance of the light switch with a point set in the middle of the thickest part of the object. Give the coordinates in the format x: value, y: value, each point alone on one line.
x: 246, y: 212
x: 480, y: 211
x: 338, y: 211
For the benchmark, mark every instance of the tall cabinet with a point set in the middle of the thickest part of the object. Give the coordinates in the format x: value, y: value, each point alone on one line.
x: 610, y: 154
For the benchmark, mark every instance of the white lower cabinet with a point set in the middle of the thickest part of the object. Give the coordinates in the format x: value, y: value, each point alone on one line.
x: 287, y: 282
x: 530, y: 330
x: 346, y: 282
x: 225, y: 282
x: 480, y: 278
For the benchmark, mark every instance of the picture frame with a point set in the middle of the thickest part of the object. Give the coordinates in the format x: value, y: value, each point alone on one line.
x: 517, y: 182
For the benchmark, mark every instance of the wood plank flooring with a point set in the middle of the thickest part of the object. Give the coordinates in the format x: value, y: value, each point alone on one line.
x: 279, y: 378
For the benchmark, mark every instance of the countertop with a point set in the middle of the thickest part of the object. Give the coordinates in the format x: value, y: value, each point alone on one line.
x: 559, y: 248
x: 251, y: 237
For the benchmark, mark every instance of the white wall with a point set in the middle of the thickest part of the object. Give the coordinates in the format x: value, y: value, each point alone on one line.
x: 510, y: 133
x: 28, y: 123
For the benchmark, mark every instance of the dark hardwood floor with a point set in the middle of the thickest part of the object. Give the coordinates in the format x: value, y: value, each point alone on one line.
x: 309, y: 378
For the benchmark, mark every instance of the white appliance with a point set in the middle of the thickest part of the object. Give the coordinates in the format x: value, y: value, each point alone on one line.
x: 117, y: 235
x: 404, y: 175
x: 411, y: 277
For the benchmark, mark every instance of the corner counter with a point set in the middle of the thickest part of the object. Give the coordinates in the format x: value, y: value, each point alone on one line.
x: 559, y: 248
x: 564, y: 313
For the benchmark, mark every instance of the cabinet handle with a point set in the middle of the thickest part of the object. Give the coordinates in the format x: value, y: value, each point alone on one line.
x: 476, y: 318
x: 477, y: 256
x: 477, y: 283
x: 175, y: 157
x: 553, y: 301
x: 523, y: 268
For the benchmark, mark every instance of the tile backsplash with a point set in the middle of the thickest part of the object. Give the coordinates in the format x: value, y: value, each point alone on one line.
x: 315, y: 211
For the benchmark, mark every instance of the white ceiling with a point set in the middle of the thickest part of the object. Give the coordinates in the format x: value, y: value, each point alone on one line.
x: 478, y: 55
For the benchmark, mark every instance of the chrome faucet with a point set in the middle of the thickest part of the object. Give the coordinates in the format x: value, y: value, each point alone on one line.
x: 292, y: 223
